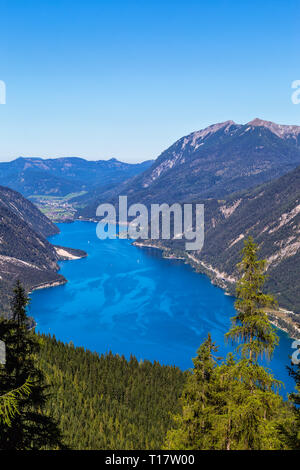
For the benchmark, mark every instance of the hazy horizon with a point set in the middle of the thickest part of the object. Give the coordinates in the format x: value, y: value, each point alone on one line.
x: 45, y: 157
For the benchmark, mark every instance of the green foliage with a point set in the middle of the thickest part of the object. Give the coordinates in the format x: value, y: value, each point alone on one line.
x: 235, y: 405
x: 251, y: 325
x: 269, y: 214
x: 193, y: 424
x: 29, y: 426
x: 258, y: 213
x: 28, y: 255
x: 108, y: 402
x: 9, y: 402
x: 291, y: 427
x: 247, y: 410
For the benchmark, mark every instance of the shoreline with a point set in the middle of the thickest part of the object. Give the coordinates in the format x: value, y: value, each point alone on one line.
x: 281, y: 318
x: 69, y: 254
x: 63, y: 254
x: 46, y: 285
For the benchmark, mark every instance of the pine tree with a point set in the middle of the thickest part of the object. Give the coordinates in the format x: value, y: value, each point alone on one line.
x: 295, y: 398
x: 246, y: 416
x: 30, y: 428
x: 236, y: 404
x: 251, y: 325
x: 193, y: 426
x: 291, y: 428
x: 9, y: 402
x: 257, y: 399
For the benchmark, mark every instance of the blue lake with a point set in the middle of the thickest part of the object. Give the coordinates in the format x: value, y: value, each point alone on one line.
x: 132, y: 301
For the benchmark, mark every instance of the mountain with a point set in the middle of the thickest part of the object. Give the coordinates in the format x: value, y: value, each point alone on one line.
x: 212, y: 163
x: 270, y: 213
x: 25, y: 254
x: 62, y: 176
x: 16, y: 204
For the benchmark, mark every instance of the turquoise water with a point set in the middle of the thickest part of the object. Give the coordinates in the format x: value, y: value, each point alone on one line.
x: 132, y: 301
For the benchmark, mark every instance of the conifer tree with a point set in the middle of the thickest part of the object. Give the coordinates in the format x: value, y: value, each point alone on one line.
x: 9, y: 402
x: 30, y: 428
x: 291, y: 429
x: 251, y: 325
x: 256, y: 397
x: 236, y: 405
x: 192, y: 427
x: 295, y: 398
x: 248, y: 408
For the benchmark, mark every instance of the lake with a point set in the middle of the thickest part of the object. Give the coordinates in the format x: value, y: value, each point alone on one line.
x: 129, y: 300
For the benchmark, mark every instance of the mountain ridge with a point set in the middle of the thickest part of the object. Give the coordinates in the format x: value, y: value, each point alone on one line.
x: 64, y: 175
x: 270, y: 213
x: 25, y: 253
x: 213, y: 162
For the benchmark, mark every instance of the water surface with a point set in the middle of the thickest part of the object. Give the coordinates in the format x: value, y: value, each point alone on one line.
x: 130, y: 300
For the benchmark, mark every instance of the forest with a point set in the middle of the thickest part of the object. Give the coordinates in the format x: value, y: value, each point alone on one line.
x: 57, y: 396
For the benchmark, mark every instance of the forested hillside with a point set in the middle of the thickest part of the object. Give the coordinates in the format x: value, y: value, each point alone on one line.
x: 66, y: 397
x: 21, y: 208
x: 270, y: 213
x: 107, y: 402
x: 25, y: 254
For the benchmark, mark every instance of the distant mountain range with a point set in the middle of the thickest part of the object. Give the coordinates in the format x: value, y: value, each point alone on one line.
x: 25, y: 254
x: 62, y: 176
x: 212, y: 163
x: 248, y: 177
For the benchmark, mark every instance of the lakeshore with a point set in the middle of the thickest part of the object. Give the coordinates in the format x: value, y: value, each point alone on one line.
x: 283, y: 319
x: 131, y: 301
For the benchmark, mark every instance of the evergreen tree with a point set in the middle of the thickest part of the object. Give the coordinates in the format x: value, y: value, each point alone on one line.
x: 295, y: 398
x: 194, y: 424
x: 107, y: 402
x: 257, y: 399
x: 9, y: 402
x: 291, y: 428
x: 236, y: 405
x: 248, y: 408
x: 30, y: 428
x: 251, y: 325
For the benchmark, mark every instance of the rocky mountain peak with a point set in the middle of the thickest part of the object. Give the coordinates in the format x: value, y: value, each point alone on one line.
x: 195, y: 136
x: 281, y: 130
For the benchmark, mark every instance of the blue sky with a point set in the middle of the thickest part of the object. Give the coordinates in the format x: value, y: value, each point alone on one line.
x: 125, y: 78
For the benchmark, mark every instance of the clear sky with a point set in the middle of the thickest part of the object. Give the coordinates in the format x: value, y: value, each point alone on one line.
x: 126, y: 78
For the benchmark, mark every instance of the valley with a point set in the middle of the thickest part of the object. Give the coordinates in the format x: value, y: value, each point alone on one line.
x: 146, y: 306
x: 235, y: 170
x: 131, y: 301
x: 57, y: 208
x: 25, y: 253
x: 150, y: 230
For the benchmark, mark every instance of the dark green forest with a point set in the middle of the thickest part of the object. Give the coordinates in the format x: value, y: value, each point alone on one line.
x: 56, y: 396
x: 107, y: 402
